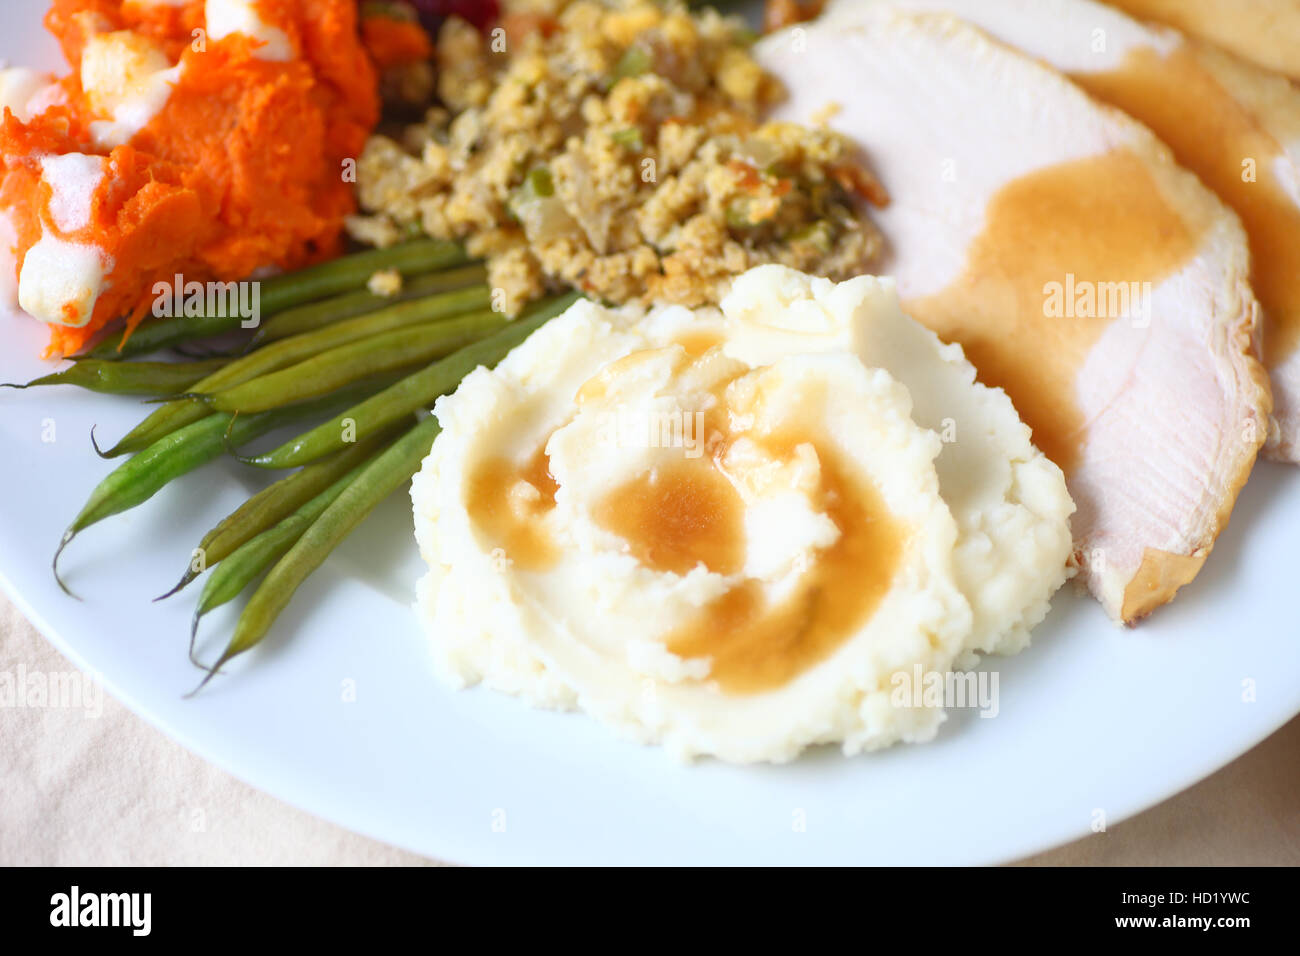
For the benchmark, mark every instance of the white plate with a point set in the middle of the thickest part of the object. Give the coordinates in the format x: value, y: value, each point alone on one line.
x: 1093, y: 719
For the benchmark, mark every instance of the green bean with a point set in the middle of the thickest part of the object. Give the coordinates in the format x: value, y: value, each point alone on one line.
x: 290, y: 351
x: 258, y: 553
x: 273, y: 503
x: 384, y: 475
x: 409, y: 394
x: 323, y: 373
x: 152, y: 379
x: 314, y: 315
x: 197, y: 353
x: 142, y: 476
x: 285, y: 291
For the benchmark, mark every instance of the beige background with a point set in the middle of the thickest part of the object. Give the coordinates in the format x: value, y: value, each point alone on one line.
x: 114, y: 790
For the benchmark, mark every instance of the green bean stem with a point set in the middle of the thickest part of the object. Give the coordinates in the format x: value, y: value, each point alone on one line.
x: 384, y: 475
x: 388, y: 351
x: 259, y: 552
x: 409, y: 394
x: 286, y: 291
x: 275, y: 502
x: 277, y: 355
x: 142, y: 476
x: 152, y: 379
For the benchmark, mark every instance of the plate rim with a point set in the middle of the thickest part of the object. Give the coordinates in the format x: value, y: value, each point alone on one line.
x: 1222, y: 757
x: 295, y: 791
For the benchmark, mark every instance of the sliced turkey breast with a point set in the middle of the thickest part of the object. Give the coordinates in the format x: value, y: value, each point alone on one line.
x: 1083, y: 271
x: 1269, y: 206
x: 1233, y: 124
x: 1266, y: 32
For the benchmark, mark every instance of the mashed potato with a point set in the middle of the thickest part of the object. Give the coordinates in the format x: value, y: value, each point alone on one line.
x: 1009, y: 499
x: 725, y: 531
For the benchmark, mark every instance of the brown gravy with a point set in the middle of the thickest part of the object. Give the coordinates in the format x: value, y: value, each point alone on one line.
x: 508, y: 501
x: 1101, y: 219
x: 757, y: 647
x: 679, y: 515
x: 1212, y: 135
x: 697, y: 343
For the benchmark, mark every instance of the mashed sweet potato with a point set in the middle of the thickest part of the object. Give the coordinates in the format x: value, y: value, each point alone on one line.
x: 239, y: 167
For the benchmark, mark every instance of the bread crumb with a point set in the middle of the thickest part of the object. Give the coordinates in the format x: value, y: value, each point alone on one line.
x: 386, y: 282
x: 827, y: 113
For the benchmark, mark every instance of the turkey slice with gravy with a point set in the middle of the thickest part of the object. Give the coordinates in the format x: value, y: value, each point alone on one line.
x: 1083, y: 271
x: 1266, y: 32
x: 1233, y: 124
